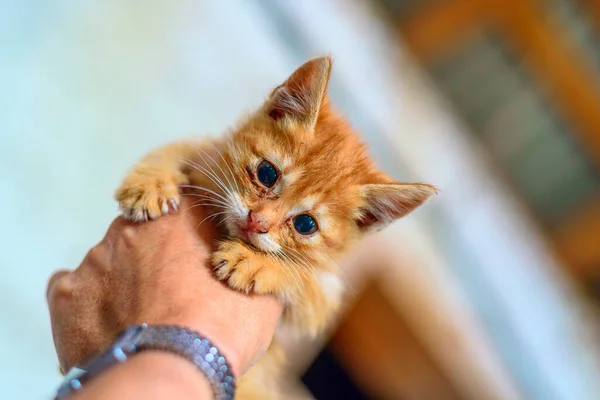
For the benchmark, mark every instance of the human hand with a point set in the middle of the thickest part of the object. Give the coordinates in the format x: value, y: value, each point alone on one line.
x: 158, y: 273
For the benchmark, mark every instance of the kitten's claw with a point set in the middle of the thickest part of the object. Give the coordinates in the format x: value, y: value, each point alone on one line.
x: 173, y: 205
x: 238, y: 265
x: 142, y: 197
x: 134, y: 214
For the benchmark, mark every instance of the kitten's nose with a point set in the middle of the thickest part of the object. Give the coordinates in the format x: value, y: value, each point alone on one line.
x: 256, y: 223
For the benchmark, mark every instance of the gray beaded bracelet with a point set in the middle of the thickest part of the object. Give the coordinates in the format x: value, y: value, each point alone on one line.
x: 195, y: 348
x: 173, y: 339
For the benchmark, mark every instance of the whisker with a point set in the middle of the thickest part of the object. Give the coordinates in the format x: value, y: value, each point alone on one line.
x: 303, y: 259
x: 203, y: 196
x: 300, y: 260
x: 223, y: 220
x: 213, y: 171
x: 227, y: 165
x: 211, y: 216
x: 204, y: 205
x: 210, y: 175
x: 198, y: 204
x: 217, y: 164
x: 206, y: 190
x: 290, y: 263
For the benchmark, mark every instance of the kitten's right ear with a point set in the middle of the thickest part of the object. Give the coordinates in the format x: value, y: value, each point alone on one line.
x: 299, y: 99
x: 386, y: 202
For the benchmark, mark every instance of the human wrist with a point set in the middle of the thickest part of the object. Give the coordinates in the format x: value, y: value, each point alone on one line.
x: 150, y: 374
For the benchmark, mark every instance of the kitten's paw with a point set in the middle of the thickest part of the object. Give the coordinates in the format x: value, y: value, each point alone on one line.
x: 240, y: 267
x: 143, y: 196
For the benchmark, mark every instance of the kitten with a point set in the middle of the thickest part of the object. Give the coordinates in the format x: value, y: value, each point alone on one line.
x: 291, y: 187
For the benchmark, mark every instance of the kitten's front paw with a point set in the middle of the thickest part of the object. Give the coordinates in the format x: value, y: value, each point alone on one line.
x: 143, y: 196
x: 242, y: 269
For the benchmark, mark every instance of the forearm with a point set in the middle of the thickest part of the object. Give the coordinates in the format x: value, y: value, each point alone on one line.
x: 150, y: 375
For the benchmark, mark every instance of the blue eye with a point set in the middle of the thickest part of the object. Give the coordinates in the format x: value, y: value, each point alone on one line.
x: 267, y: 174
x: 305, y: 224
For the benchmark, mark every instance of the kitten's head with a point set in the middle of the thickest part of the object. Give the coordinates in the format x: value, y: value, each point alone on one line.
x: 303, y: 182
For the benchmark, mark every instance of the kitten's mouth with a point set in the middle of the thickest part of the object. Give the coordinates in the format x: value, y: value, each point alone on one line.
x: 258, y: 240
x: 242, y: 232
x: 239, y: 231
x: 246, y: 236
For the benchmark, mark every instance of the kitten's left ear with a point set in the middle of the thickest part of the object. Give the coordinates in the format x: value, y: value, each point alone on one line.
x: 299, y: 99
x: 384, y: 203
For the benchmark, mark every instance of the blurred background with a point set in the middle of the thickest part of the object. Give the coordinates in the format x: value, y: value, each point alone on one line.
x: 490, y: 291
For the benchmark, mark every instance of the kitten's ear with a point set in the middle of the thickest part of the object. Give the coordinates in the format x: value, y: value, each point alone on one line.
x: 384, y: 203
x: 299, y: 99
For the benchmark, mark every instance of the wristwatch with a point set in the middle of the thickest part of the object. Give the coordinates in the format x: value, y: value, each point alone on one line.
x: 173, y: 339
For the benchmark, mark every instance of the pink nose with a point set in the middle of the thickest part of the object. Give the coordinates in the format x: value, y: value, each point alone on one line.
x: 256, y: 223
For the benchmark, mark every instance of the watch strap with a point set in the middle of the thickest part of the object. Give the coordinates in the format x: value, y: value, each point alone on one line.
x: 173, y: 339
x: 195, y: 348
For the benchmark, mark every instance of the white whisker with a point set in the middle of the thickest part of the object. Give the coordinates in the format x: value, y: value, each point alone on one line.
x: 206, y: 190
x: 228, y: 167
x: 290, y: 263
x: 210, y: 175
x: 303, y: 259
x: 221, y: 169
x: 211, y: 216
x: 203, y: 196
x: 214, y: 174
x: 198, y: 204
x: 223, y: 220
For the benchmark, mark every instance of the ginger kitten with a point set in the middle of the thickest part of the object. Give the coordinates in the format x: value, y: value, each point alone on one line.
x: 291, y: 187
